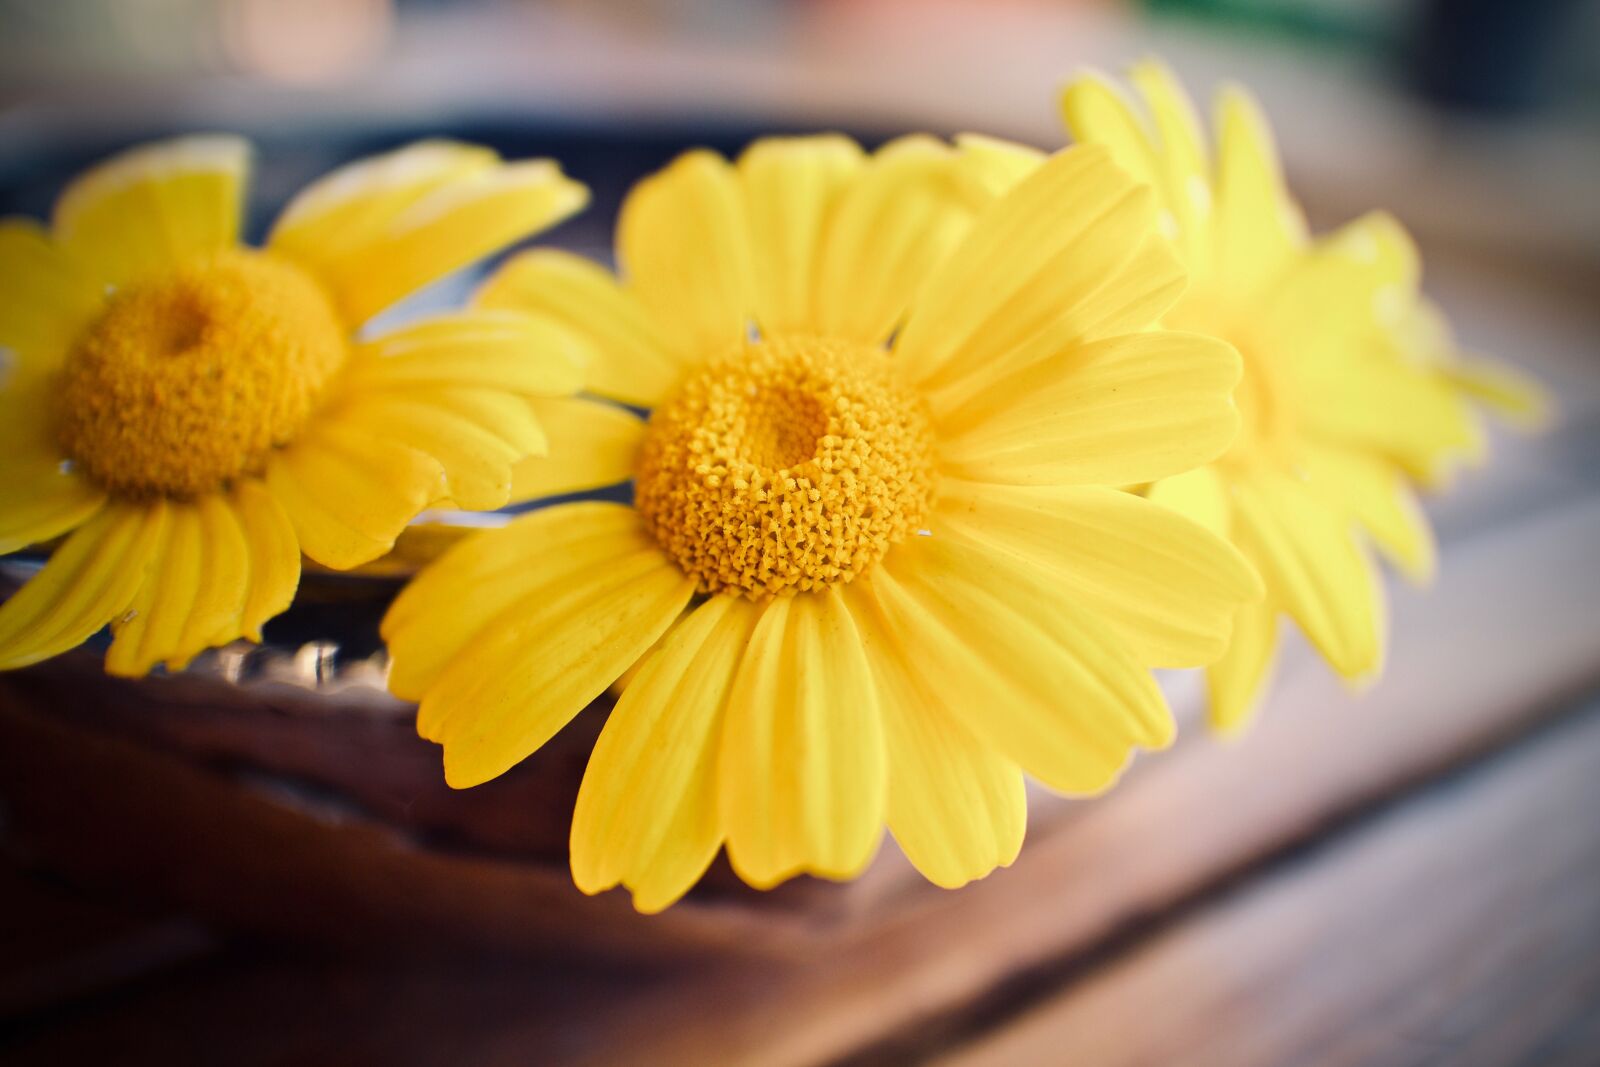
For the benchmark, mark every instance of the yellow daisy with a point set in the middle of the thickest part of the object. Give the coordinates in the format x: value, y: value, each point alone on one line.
x: 1349, y: 391
x: 197, y: 413
x: 875, y: 567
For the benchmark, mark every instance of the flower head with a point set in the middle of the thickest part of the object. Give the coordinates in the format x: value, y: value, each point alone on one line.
x: 1351, y: 390
x: 876, y: 565
x: 195, y: 413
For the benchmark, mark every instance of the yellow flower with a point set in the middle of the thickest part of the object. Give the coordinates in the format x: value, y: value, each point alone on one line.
x: 197, y: 413
x: 1351, y: 388
x: 875, y: 566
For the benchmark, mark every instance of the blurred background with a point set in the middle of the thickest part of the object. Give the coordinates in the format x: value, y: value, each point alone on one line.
x: 1401, y: 879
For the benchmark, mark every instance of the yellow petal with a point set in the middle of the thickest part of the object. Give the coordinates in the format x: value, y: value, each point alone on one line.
x: 956, y: 807
x: 1199, y: 496
x: 684, y: 249
x: 625, y: 359
x: 1408, y: 414
x: 1362, y: 276
x: 1097, y: 111
x: 1181, y: 161
x: 274, y: 556
x: 1167, y: 586
x: 354, y: 206
x: 1506, y: 391
x: 154, y: 206
x: 790, y: 184
x: 451, y: 224
x: 46, y: 302
x: 592, y: 444
x: 1308, y: 556
x: 802, y: 773
x: 477, y: 464
x: 1372, y: 492
x: 486, y: 349
x: 507, y: 416
x: 894, y: 223
x: 1128, y: 301
x: 1258, y: 225
x: 194, y: 594
x: 1114, y: 412
x: 40, y: 498
x: 431, y: 623
x: 647, y: 811
x: 1236, y: 683
x: 349, y: 494
x: 88, y: 581
x: 994, y: 166
x: 581, y: 621
x: 1018, y: 663
x: 154, y: 620
x: 1030, y: 260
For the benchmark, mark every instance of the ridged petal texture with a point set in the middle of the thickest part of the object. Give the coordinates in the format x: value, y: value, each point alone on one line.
x: 441, y: 411
x: 1353, y: 388
x: 563, y: 601
x: 1013, y: 634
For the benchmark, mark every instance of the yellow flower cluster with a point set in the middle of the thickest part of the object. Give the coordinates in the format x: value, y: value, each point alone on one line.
x: 949, y: 446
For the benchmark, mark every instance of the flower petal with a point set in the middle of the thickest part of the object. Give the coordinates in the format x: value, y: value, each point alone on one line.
x: 1506, y: 391
x: 88, y: 581
x: 790, y: 184
x: 956, y: 807
x: 423, y: 216
x: 592, y: 444
x: 477, y: 464
x: 348, y: 493
x: 1410, y: 415
x: 154, y: 206
x: 194, y: 593
x: 493, y: 349
x: 1373, y: 492
x: 583, y: 616
x: 353, y: 206
x: 684, y: 250
x: 1237, y: 682
x: 46, y: 302
x: 1181, y: 163
x: 1097, y: 111
x: 889, y: 228
x: 625, y: 359
x: 1028, y: 262
x: 803, y: 773
x: 1199, y: 496
x: 1307, y: 554
x: 1167, y: 586
x: 995, y: 166
x: 647, y: 811
x: 1258, y: 225
x: 40, y: 495
x: 1119, y: 411
x: 274, y: 556
x: 1020, y: 665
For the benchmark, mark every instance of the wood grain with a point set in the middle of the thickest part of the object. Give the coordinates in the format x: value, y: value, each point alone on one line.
x: 1461, y: 928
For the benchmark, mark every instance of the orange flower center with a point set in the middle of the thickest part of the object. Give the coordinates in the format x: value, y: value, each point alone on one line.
x: 190, y: 378
x: 791, y: 465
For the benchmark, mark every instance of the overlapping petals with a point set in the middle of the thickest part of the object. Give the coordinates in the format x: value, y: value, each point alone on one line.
x: 439, y: 411
x: 1013, y: 635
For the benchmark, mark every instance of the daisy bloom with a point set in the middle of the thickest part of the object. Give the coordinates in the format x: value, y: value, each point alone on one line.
x: 194, y: 413
x: 1350, y: 391
x: 875, y: 567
